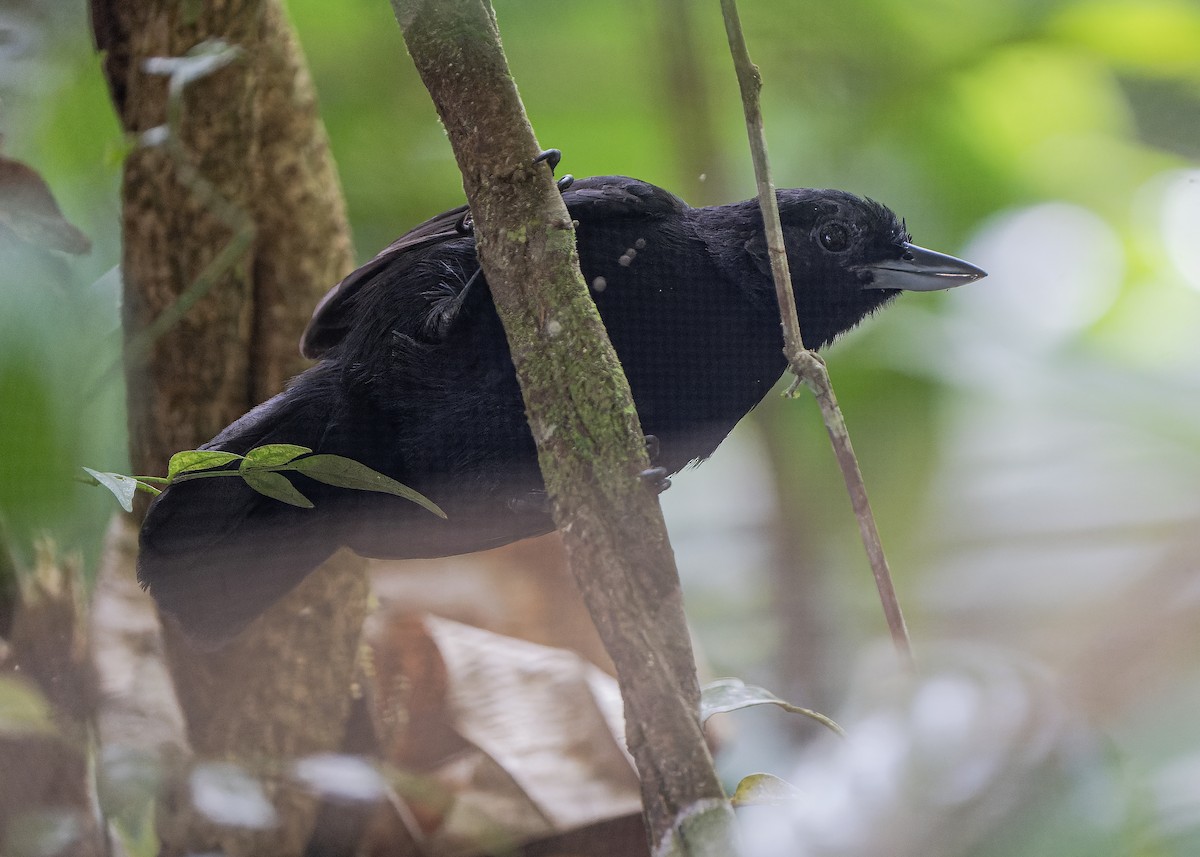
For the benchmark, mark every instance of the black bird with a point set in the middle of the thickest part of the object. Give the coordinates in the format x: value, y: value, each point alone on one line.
x: 416, y: 382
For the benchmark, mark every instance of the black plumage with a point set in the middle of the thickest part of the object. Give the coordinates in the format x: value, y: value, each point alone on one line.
x: 415, y: 381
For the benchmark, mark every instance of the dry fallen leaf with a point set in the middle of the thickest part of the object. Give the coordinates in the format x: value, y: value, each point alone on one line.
x: 538, y: 736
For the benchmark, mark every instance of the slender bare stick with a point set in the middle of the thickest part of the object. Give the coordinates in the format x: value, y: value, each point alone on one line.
x: 807, y: 366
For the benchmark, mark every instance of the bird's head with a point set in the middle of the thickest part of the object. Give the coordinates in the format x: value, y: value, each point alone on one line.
x: 849, y: 256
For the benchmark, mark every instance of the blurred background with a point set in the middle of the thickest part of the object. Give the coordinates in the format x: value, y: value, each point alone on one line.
x: 1031, y: 442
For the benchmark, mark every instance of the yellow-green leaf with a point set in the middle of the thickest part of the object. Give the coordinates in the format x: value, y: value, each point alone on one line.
x: 276, y: 486
x: 272, y: 455
x: 348, y: 473
x: 764, y: 790
x: 198, y: 459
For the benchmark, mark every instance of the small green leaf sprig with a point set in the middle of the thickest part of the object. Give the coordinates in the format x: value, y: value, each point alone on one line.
x: 733, y: 694
x: 261, y: 468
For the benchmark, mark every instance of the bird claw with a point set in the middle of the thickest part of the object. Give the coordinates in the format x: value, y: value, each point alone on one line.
x: 552, y: 157
x: 538, y: 502
x: 656, y: 478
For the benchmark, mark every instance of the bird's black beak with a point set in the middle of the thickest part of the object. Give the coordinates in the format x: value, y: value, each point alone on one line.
x: 919, y: 270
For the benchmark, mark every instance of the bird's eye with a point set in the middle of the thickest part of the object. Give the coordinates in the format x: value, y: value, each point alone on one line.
x: 833, y: 237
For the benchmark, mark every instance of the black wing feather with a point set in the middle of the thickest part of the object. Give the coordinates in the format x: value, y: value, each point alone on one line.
x: 598, y: 198
x: 332, y: 319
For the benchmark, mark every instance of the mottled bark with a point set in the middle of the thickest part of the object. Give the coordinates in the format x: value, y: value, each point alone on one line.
x: 252, y: 131
x: 279, y: 692
x: 302, y: 241
x: 195, y: 379
x: 579, y: 408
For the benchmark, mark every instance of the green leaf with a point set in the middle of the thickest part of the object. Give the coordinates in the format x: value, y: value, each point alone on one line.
x: 123, y: 487
x: 731, y: 694
x: 764, y: 790
x: 348, y: 473
x: 198, y: 459
x: 23, y: 709
x: 272, y: 455
x: 276, y: 486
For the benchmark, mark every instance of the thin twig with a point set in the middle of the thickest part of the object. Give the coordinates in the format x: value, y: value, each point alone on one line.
x: 808, y: 367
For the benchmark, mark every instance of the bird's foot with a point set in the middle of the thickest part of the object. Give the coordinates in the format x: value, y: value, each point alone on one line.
x: 552, y: 157
x: 656, y: 478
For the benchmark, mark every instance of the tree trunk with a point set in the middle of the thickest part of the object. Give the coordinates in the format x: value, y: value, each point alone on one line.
x: 250, y: 130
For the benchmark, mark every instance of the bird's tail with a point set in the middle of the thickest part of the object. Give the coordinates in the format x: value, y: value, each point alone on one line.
x: 214, y: 552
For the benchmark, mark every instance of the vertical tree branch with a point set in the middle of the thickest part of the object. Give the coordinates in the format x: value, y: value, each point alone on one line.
x: 807, y: 366
x: 176, y: 399
x: 580, y: 411
x: 302, y: 241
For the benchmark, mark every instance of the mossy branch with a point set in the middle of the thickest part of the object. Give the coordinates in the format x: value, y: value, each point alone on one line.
x: 579, y: 407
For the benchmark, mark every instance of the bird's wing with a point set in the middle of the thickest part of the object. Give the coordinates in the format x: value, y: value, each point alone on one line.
x: 587, y: 200
x: 332, y: 317
x: 614, y: 197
